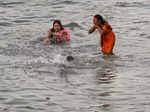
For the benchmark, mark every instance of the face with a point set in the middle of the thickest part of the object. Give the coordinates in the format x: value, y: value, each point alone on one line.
x: 57, y: 27
x: 95, y: 21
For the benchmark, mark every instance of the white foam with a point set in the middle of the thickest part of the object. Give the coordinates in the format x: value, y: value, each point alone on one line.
x: 58, y: 59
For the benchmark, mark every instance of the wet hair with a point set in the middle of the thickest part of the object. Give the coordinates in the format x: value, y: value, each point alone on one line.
x: 58, y: 22
x: 100, y: 18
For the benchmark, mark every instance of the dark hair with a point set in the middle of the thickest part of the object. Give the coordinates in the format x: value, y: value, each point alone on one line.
x: 58, y: 22
x: 100, y: 18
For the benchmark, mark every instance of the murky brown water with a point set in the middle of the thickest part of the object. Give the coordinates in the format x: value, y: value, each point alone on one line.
x: 35, y: 77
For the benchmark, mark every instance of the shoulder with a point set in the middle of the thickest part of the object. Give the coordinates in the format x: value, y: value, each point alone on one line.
x: 107, y: 25
x: 65, y: 31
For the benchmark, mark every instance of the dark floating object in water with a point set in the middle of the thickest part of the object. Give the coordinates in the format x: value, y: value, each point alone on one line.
x: 70, y: 58
x: 47, y: 98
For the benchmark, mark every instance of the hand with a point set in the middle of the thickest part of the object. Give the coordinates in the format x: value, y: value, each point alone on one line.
x: 97, y: 26
x: 64, y: 34
x: 46, y: 41
x: 63, y: 37
x: 92, y: 29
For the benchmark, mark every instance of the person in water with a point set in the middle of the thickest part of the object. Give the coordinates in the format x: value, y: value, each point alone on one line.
x: 57, y: 34
x: 106, y: 34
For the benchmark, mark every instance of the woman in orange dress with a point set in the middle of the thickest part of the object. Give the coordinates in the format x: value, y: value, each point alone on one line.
x: 107, y: 35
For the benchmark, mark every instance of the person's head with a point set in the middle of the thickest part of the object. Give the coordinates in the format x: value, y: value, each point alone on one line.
x: 98, y: 20
x: 57, y: 26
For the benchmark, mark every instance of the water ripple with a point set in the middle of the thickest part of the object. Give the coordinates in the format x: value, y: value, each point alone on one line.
x: 10, y: 4
x: 131, y: 4
x: 35, y: 76
x: 8, y: 24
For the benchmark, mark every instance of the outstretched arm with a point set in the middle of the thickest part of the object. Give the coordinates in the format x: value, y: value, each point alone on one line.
x: 46, y: 40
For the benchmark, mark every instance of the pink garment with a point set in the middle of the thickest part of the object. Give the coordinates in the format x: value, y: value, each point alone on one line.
x: 61, y: 34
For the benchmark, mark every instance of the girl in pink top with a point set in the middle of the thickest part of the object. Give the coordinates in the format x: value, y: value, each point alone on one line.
x: 57, y: 34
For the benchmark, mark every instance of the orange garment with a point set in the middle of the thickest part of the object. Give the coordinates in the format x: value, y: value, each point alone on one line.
x: 107, y: 39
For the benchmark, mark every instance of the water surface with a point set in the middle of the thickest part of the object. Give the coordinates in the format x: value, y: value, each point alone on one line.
x: 35, y: 77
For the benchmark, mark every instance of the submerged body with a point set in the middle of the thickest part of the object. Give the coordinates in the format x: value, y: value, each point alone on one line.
x: 57, y: 34
x: 58, y: 37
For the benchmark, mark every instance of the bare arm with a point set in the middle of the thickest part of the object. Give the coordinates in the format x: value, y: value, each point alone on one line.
x: 96, y: 27
x: 99, y: 28
x: 92, y: 29
x: 46, y: 40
